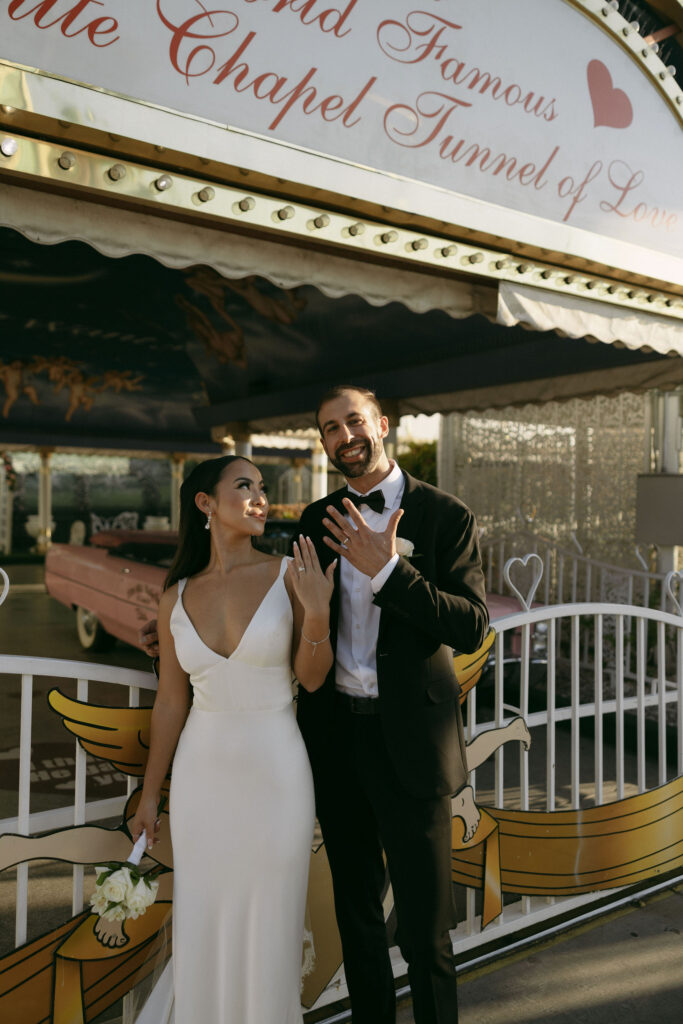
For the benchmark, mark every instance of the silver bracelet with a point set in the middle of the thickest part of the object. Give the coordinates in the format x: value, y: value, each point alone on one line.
x: 315, y: 643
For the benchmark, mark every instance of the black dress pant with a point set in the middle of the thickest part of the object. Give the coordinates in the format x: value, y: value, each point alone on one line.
x: 363, y: 808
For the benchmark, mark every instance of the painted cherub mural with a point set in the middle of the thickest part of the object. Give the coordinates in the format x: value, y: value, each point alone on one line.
x: 227, y: 344
x: 12, y: 376
x: 65, y: 375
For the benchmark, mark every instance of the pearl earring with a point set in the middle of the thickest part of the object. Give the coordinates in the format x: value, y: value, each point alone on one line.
x: 208, y: 521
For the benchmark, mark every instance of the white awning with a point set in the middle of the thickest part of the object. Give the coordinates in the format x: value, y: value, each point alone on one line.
x: 577, y: 317
x: 48, y: 218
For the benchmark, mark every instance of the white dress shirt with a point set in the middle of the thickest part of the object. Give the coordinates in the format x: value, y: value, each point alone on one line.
x: 356, y: 656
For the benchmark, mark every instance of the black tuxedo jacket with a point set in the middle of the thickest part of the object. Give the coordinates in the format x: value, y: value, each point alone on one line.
x: 430, y: 604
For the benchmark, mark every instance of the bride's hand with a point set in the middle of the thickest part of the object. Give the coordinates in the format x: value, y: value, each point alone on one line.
x: 146, y: 817
x: 311, y: 585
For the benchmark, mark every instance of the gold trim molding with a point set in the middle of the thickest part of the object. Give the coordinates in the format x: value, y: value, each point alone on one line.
x: 105, y: 179
x: 606, y: 14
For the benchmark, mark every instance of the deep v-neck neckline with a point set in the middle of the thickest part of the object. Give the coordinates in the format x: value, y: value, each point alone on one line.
x: 229, y: 657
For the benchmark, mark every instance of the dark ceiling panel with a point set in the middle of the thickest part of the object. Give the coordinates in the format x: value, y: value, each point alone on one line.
x: 128, y: 352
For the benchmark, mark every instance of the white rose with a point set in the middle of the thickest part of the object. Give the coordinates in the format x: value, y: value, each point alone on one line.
x: 404, y: 547
x: 141, y: 897
x: 117, y: 913
x: 99, y: 902
x: 116, y: 887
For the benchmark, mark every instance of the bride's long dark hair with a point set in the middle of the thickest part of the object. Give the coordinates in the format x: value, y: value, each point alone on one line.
x: 194, y: 540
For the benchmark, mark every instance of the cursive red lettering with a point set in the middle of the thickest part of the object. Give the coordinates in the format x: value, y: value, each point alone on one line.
x: 424, y: 35
x: 539, y: 181
x: 617, y: 176
x: 330, y: 20
x: 194, y: 61
x: 103, y: 26
x: 302, y: 91
x: 625, y: 180
x: 432, y: 109
x: 578, y: 193
x: 396, y: 38
x: 231, y: 65
x: 354, y: 104
x: 202, y: 58
x: 473, y: 77
x: 526, y: 173
x: 512, y: 95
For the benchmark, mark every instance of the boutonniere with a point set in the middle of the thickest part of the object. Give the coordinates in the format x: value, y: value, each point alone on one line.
x: 405, y: 548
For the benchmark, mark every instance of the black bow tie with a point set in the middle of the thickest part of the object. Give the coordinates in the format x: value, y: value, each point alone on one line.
x: 374, y: 500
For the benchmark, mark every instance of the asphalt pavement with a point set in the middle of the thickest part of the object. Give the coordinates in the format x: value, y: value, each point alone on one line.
x: 625, y: 967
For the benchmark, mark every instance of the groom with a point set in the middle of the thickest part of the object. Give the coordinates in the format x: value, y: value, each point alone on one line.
x: 384, y: 733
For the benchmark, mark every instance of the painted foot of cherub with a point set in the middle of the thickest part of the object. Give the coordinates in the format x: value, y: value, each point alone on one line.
x: 463, y: 806
x: 518, y: 730
x: 110, y: 933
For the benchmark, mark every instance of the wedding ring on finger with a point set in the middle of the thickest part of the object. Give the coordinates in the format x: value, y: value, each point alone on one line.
x: 301, y: 568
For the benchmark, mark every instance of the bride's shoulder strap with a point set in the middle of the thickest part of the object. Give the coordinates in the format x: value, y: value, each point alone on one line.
x: 181, y: 585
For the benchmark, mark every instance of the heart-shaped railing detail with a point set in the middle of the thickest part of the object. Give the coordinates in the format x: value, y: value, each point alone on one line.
x: 5, y: 585
x: 537, y: 562
x: 641, y: 558
x: 668, y: 587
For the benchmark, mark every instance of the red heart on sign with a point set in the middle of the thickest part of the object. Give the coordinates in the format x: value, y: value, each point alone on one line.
x: 611, y: 107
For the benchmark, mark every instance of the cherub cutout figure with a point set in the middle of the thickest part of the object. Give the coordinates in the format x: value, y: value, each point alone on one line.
x: 119, y: 380
x: 123, y: 741
x: 227, y: 345
x: 66, y: 374
x: 12, y: 376
x: 283, y: 309
x: 81, y: 391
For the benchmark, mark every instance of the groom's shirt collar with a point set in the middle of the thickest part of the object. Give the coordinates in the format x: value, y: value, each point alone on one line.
x: 391, y: 486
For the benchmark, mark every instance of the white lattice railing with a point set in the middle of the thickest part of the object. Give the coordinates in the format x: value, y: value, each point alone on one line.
x: 554, y: 699
x: 570, y: 575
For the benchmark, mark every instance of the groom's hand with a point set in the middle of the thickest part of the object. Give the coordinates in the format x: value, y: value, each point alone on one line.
x: 366, y: 549
x: 149, y: 638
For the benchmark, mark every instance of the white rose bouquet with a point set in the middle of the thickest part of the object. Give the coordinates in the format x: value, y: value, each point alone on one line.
x: 123, y: 891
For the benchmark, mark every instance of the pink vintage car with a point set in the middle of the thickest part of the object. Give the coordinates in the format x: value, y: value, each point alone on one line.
x: 113, y: 584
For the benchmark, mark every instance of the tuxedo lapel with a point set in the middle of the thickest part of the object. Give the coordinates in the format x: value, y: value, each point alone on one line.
x: 412, y: 504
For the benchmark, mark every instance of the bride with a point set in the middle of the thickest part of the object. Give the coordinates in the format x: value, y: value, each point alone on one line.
x: 234, y: 624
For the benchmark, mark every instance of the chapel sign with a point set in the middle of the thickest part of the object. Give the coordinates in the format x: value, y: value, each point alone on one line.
x: 525, y: 117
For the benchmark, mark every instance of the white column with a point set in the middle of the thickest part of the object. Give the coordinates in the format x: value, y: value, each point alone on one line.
x: 319, y: 470
x: 221, y: 435
x: 44, y: 501
x: 243, y: 445
x: 177, y: 466
x: 670, y: 449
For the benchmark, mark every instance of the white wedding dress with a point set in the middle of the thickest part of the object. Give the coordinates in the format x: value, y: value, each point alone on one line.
x: 242, y: 816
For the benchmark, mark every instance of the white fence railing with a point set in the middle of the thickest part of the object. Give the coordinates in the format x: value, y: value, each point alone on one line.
x: 632, y: 723
x: 24, y: 672
x: 635, y: 743
x: 570, y: 575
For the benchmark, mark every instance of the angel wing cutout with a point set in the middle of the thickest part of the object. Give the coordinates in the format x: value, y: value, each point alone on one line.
x: 117, y: 735
x: 468, y: 667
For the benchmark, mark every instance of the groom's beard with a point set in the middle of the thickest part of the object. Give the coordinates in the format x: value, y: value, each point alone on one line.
x: 372, y: 451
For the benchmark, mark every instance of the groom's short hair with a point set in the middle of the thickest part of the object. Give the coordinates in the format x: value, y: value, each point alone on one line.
x: 338, y: 390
